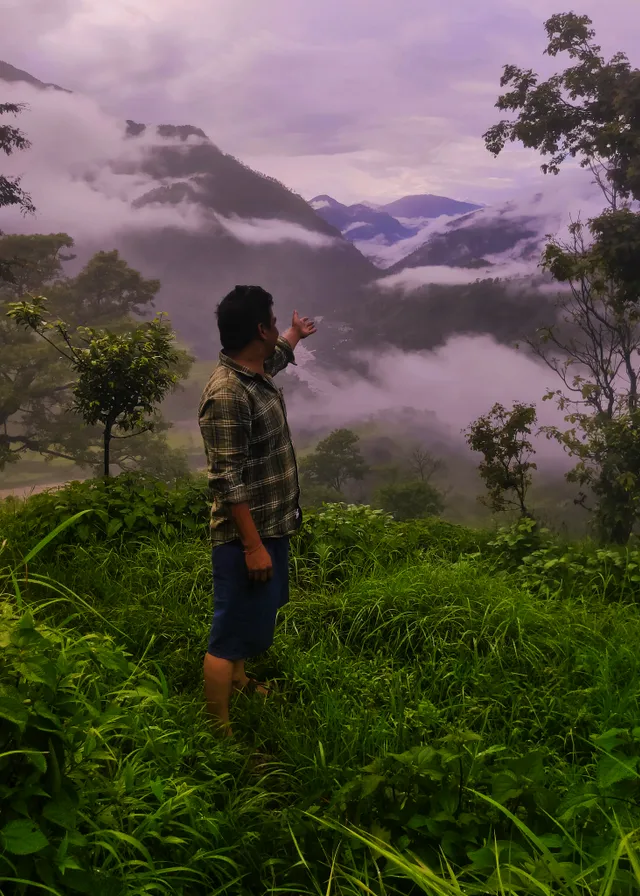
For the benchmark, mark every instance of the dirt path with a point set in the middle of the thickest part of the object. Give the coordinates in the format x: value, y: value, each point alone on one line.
x: 23, y: 491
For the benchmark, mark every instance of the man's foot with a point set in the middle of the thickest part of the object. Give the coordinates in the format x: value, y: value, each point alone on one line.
x: 250, y: 685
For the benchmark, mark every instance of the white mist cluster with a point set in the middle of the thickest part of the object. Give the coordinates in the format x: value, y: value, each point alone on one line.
x: 457, y: 382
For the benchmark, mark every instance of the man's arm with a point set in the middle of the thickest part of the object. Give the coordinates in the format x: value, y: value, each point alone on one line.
x: 300, y: 328
x: 225, y: 425
x: 282, y: 357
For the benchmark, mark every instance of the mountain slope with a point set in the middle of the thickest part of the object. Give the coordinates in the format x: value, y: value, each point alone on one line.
x: 12, y: 74
x: 241, y: 208
x: 468, y: 240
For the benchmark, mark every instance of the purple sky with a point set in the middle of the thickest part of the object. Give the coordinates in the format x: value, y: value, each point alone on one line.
x: 363, y: 99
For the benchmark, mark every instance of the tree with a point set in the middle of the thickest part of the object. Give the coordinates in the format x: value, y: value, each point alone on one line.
x: 501, y: 437
x: 35, y: 380
x: 151, y: 452
x: 589, y: 112
x: 41, y: 262
x: 424, y: 464
x: 120, y: 378
x: 11, y: 193
x: 106, y: 292
x: 336, y: 460
x: 410, y: 500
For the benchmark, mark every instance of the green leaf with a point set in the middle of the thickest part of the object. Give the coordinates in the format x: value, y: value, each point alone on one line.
x: 45, y: 541
x: 612, y: 769
x: 552, y: 841
x: 609, y: 739
x: 370, y: 784
x: 23, y: 837
x: 114, y: 526
x: 61, y: 811
x: 157, y: 789
x: 504, y: 787
x: 14, y: 710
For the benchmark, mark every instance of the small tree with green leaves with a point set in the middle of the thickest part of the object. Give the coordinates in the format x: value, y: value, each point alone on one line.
x: 336, y: 460
x: 120, y: 377
x: 501, y: 437
x: 35, y: 381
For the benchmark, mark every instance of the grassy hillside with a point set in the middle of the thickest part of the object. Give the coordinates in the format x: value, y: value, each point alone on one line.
x: 440, y: 724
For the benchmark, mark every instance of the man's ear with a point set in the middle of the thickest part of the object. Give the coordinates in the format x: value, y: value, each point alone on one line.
x: 262, y: 332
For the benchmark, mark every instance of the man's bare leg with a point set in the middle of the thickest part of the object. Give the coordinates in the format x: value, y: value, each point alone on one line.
x: 218, y: 676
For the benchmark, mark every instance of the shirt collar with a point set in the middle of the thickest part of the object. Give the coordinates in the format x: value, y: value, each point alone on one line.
x: 226, y: 361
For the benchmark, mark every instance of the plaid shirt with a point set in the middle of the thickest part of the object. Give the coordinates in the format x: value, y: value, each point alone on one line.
x: 250, y: 455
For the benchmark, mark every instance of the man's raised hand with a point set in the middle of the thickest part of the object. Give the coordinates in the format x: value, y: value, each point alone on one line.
x: 303, y: 326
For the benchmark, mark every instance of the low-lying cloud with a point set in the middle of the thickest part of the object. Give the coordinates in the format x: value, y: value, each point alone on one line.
x: 457, y: 382
x: 259, y: 231
x: 414, y: 278
x: 67, y: 170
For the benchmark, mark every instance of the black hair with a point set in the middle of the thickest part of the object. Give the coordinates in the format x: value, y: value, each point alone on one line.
x: 240, y: 314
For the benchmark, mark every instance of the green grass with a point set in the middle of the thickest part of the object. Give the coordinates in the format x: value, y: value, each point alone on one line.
x: 430, y: 652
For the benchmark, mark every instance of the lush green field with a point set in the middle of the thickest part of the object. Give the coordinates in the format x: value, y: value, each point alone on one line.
x: 439, y: 725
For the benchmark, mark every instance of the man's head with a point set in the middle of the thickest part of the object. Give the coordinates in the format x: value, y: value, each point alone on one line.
x: 246, y: 316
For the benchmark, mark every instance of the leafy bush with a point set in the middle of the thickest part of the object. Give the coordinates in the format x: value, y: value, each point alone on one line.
x: 439, y: 801
x: 342, y: 540
x: 513, y: 543
x: 548, y: 566
x: 93, y: 766
x: 449, y: 541
x: 410, y: 500
x: 125, y: 506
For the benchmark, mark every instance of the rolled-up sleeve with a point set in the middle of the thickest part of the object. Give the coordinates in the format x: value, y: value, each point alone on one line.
x: 225, y: 424
x: 281, y: 358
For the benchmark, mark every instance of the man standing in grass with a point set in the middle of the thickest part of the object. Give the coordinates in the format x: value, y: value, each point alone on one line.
x: 253, y: 478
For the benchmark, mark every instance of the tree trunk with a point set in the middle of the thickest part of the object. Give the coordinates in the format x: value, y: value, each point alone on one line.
x: 107, y: 451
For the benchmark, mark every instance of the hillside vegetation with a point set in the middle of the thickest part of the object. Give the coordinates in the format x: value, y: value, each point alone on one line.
x: 455, y: 711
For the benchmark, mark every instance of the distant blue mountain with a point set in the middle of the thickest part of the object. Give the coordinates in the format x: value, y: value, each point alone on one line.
x: 426, y: 205
x: 368, y: 223
x: 360, y: 222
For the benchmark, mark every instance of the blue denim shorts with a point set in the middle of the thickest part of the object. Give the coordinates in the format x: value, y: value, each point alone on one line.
x: 244, y: 612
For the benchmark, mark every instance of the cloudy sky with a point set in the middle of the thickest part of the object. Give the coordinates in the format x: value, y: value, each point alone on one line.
x: 363, y: 99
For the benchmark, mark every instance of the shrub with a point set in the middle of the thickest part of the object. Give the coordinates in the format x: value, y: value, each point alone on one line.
x: 549, y: 566
x: 91, y: 799
x: 125, y: 506
x: 410, y: 500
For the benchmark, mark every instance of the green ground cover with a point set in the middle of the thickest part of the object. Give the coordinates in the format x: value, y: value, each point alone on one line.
x: 446, y: 720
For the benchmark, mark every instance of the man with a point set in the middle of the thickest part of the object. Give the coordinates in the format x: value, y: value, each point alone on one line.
x: 254, y: 482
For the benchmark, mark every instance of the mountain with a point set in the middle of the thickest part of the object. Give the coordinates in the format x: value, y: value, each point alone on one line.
x: 425, y: 206
x: 250, y: 229
x: 234, y: 225
x: 388, y: 234
x: 11, y: 73
x: 360, y: 222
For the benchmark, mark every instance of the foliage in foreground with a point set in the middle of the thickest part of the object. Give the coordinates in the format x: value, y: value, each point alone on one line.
x: 435, y: 727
